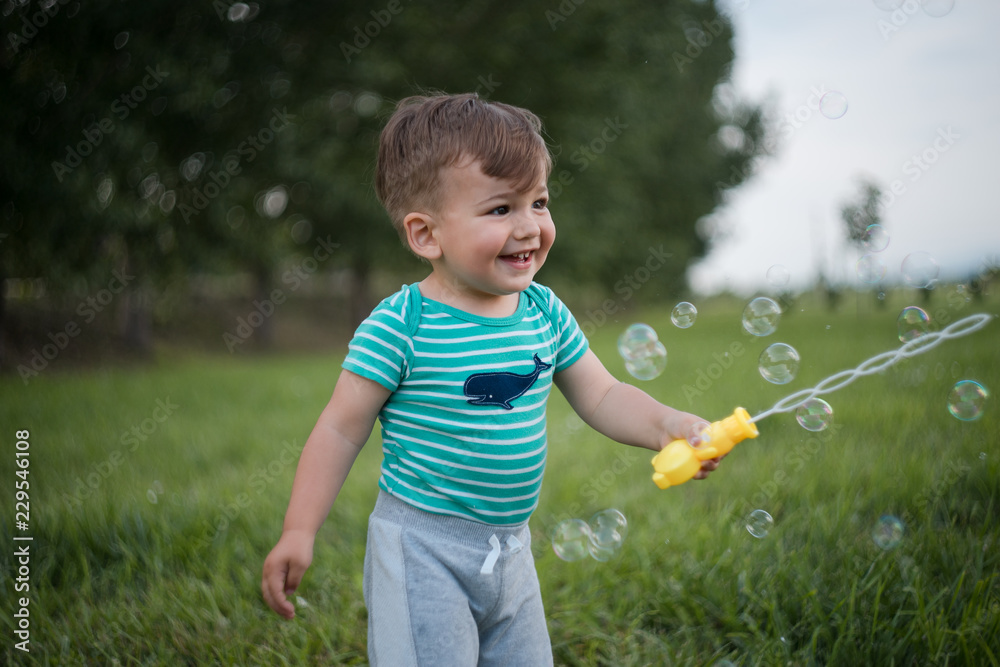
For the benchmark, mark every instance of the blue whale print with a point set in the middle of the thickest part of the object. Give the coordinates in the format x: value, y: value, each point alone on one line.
x: 500, y: 388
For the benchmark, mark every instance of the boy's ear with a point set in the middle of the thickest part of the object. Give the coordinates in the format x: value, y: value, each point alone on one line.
x: 420, y: 235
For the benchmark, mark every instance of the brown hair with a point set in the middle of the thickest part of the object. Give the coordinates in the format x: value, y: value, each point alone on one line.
x: 427, y: 133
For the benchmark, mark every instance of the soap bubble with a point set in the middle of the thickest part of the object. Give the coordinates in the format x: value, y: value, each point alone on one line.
x: 683, y: 315
x: 608, y: 530
x: 699, y: 434
x: 636, y: 341
x: 888, y: 532
x: 759, y: 523
x: 814, y: 415
x: 645, y: 356
x: 778, y: 275
x: 937, y: 8
x: 967, y: 399
x: 871, y: 269
x: 875, y: 238
x: 919, y: 269
x: 779, y: 363
x: 649, y: 364
x: 913, y: 322
x: 761, y: 316
x: 833, y: 105
x: 571, y: 539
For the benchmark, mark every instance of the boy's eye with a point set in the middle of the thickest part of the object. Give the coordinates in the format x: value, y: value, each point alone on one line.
x: 500, y: 210
x: 541, y: 204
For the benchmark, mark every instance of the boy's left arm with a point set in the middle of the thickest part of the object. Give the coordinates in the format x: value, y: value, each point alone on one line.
x: 622, y: 411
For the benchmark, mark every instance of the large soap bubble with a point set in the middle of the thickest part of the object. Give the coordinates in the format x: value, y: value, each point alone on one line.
x: 761, y: 316
x: 608, y: 530
x: 683, y: 315
x: 937, y: 8
x: 759, y: 523
x: 636, y: 340
x: 651, y: 365
x: 913, y: 322
x: 833, y: 105
x: 571, y: 539
x: 779, y: 363
x: 875, y: 238
x: 815, y: 414
x: 966, y: 400
x: 871, y: 269
x: 778, y: 275
x: 919, y: 269
x: 645, y: 356
x: 888, y: 532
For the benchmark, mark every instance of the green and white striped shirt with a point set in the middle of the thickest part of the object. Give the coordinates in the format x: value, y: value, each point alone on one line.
x: 463, y: 432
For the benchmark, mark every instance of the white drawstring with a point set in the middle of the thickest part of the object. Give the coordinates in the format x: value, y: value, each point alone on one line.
x: 513, y: 544
x: 491, y: 557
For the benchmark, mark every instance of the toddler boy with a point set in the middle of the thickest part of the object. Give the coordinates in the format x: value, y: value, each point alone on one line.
x: 458, y: 369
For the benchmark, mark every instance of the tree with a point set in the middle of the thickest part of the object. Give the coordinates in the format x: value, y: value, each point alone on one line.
x: 862, y: 219
x: 163, y: 139
x: 862, y: 213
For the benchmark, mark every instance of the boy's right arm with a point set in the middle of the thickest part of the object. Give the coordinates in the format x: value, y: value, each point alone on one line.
x: 327, y: 457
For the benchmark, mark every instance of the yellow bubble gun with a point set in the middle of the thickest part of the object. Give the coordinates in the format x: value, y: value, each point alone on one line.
x: 679, y: 461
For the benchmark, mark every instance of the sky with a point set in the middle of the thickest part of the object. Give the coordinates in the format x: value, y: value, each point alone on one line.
x: 923, y: 113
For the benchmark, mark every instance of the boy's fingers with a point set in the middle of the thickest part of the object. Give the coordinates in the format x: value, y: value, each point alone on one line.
x: 273, y: 587
x: 293, y: 578
x: 707, y: 467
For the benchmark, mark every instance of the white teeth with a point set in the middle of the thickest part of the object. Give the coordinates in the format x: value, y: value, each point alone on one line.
x: 522, y: 255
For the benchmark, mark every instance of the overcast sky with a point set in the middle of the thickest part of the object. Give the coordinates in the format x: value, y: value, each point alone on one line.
x: 916, y: 86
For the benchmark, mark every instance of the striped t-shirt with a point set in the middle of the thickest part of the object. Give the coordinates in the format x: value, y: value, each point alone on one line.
x: 463, y: 432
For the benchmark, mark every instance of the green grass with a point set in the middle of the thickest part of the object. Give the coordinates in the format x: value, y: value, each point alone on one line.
x: 119, y: 579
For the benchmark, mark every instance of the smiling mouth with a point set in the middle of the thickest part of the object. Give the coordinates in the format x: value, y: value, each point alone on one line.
x: 519, y: 258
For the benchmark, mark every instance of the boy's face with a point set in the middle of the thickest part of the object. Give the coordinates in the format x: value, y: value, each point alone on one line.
x: 490, y: 239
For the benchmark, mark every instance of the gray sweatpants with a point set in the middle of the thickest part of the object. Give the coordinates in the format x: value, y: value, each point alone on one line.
x: 442, y: 590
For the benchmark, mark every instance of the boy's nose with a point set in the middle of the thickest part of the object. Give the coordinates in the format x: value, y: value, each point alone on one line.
x: 526, y: 226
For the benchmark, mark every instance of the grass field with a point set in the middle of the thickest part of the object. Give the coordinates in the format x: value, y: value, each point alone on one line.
x: 156, y: 492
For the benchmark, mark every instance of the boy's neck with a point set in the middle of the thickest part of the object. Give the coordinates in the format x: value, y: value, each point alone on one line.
x: 469, y: 300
